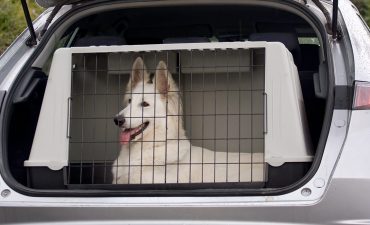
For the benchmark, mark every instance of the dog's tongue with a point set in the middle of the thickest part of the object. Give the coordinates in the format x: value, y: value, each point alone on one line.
x: 125, y: 136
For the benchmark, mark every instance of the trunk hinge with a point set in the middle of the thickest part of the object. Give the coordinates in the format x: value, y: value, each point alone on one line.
x: 32, y: 40
x: 51, y: 17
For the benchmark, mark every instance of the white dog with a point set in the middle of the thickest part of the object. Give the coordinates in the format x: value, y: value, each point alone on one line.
x: 155, y: 148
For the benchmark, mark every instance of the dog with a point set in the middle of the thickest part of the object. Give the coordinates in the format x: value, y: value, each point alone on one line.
x: 154, y: 145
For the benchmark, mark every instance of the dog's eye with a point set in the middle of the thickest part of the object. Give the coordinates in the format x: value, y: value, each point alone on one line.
x: 129, y: 101
x: 144, y: 104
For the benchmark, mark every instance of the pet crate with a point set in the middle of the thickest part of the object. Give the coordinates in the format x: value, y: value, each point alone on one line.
x: 241, y: 101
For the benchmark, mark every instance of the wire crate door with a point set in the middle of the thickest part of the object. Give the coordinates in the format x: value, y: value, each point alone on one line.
x: 218, y: 124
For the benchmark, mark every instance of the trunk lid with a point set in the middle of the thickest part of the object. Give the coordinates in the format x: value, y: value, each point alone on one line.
x: 57, y: 4
x: 52, y: 3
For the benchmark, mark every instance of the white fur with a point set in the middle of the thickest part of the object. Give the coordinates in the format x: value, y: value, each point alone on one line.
x: 162, y: 155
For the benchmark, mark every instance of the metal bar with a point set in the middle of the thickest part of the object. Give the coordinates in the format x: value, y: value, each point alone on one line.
x: 239, y: 101
x: 33, y: 39
x: 175, y: 139
x: 185, y: 91
x: 94, y: 128
x: 191, y: 122
x: 106, y: 129
x: 251, y: 104
x: 129, y: 143
x: 203, y: 103
x: 184, y: 67
x: 142, y: 118
x: 148, y: 117
x: 165, y: 157
x: 82, y: 121
x: 199, y: 163
x: 335, y: 19
x: 154, y: 119
x: 227, y: 112
x: 215, y: 121
x: 178, y: 120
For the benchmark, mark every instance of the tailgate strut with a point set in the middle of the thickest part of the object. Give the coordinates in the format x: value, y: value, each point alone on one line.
x: 331, y: 22
x: 335, y: 31
x: 32, y: 40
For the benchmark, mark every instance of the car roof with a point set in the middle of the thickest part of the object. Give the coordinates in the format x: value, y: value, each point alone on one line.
x: 52, y: 3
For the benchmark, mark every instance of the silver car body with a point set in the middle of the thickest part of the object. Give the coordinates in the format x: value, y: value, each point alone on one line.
x: 336, y: 194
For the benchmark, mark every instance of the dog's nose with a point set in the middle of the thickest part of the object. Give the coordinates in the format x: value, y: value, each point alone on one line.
x: 119, y: 120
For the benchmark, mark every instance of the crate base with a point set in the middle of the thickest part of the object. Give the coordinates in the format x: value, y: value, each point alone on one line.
x: 45, y: 178
x: 69, y: 178
x: 287, y: 174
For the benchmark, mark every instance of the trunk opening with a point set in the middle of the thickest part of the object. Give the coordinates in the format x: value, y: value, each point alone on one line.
x: 173, y: 25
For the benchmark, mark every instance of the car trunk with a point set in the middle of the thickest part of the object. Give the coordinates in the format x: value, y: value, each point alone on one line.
x: 208, y: 108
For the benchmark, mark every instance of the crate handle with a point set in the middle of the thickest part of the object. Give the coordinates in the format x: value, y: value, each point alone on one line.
x: 69, y: 102
x: 265, y: 127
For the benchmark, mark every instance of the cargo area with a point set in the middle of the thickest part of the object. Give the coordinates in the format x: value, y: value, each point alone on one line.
x: 250, y: 82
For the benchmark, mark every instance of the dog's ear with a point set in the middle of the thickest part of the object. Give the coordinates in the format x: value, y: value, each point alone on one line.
x: 163, y: 78
x: 138, y: 73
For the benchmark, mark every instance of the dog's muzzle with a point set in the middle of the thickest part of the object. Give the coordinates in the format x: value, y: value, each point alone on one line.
x: 119, y: 120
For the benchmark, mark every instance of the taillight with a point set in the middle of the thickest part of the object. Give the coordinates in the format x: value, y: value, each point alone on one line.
x: 362, y: 95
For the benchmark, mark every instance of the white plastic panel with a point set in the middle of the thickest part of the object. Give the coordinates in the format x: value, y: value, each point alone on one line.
x: 287, y: 138
x: 50, y: 144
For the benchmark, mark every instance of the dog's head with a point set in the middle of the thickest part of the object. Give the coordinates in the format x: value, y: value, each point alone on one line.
x: 148, y: 103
